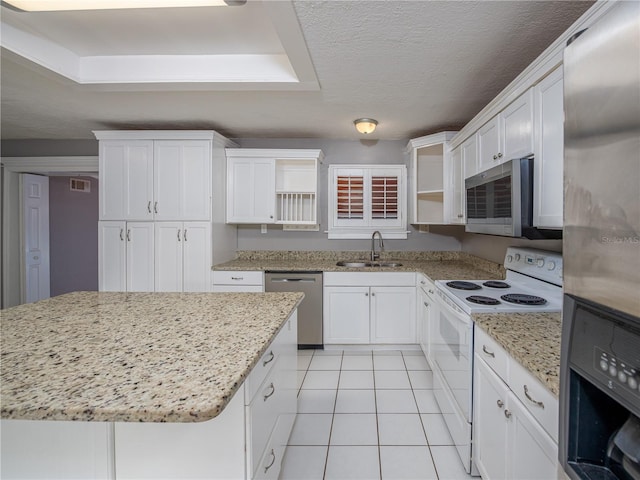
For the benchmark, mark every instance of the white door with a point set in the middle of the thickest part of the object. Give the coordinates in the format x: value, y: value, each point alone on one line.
x: 393, y: 315
x: 168, y: 257
x: 196, y: 257
x: 251, y: 190
x: 140, y: 257
x: 517, y: 128
x: 470, y: 156
x: 346, y: 315
x: 35, y: 211
x: 490, y: 423
x: 182, y: 177
x: 112, y: 257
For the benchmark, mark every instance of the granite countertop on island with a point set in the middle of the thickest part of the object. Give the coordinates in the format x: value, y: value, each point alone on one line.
x: 532, y: 339
x: 435, y: 265
x: 134, y: 357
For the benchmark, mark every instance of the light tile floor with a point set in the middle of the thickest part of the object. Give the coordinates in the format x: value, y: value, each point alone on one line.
x: 368, y: 415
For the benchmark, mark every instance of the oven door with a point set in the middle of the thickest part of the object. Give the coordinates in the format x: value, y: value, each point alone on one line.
x: 451, y: 357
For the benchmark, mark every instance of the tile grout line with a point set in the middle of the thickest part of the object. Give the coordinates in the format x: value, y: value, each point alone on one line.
x: 424, y: 429
x: 333, y: 416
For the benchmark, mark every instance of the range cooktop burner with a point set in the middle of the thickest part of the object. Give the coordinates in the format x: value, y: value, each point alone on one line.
x: 496, y: 284
x: 482, y: 300
x: 523, y: 299
x: 460, y: 285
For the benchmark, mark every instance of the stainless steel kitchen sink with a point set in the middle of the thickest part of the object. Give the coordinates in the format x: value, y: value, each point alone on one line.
x: 362, y: 263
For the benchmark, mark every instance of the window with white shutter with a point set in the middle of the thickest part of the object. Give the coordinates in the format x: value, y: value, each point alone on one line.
x: 365, y: 198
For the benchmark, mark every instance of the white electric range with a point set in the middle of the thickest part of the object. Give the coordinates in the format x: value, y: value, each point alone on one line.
x: 533, y: 283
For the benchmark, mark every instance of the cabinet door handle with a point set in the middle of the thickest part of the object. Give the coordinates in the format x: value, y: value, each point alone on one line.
x: 366, y: 294
x: 499, y: 154
x: 426, y: 304
x: 273, y: 390
x: 128, y: 235
x: 149, y: 206
x: 495, y: 157
x: 507, y: 413
x: 273, y: 460
x: 430, y: 291
x: 178, y: 234
x: 155, y: 207
x: 491, y: 354
x: 535, y: 402
x: 373, y: 294
x: 184, y: 234
x: 264, y: 363
x: 460, y: 215
x: 121, y: 234
x: 237, y: 278
x: 500, y: 403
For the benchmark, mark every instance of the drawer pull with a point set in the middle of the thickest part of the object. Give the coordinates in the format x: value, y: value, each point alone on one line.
x: 535, y: 402
x: 507, y: 413
x: 264, y: 363
x: 273, y: 460
x: 426, y: 304
x: 237, y: 278
x: 491, y: 354
x: 500, y: 403
x: 273, y: 390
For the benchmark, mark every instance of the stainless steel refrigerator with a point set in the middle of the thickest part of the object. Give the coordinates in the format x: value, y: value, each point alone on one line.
x: 600, y: 371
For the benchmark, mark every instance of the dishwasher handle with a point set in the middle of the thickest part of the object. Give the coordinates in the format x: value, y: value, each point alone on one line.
x: 282, y: 280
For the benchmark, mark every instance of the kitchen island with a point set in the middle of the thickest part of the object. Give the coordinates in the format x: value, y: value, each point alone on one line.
x: 130, y: 385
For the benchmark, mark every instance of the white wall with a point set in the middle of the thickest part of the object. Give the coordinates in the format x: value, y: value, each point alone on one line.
x: 340, y: 152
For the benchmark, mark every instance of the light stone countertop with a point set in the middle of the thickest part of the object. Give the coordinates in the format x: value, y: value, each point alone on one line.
x: 134, y: 357
x: 532, y: 339
x: 435, y: 265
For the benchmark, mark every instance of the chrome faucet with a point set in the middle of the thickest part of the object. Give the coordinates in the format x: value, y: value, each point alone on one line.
x: 374, y: 255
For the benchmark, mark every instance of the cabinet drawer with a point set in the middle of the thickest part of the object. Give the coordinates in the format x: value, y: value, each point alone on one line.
x: 537, y: 399
x: 492, y: 353
x: 263, y: 413
x: 261, y: 370
x: 370, y: 279
x: 237, y: 278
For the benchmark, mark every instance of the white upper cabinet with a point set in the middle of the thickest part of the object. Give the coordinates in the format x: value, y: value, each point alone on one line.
x: 508, y: 135
x: 455, y: 197
x: 155, y: 180
x: 251, y: 190
x: 272, y: 186
x: 126, y: 180
x: 366, y: 198
x: 470, y: 156
x: 431, y: 184
x: 549, y: 151
x: 182, y: 180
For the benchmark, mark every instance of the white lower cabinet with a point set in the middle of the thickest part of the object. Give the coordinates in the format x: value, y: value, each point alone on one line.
x: 509, y: 441
x: 183, y: 256
x: 364, y: 308
x: 425, y: 310
x: 126, y: 256
x: 246, y: 440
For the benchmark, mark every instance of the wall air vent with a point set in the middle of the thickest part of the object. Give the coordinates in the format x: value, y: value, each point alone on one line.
x: 79, y: 185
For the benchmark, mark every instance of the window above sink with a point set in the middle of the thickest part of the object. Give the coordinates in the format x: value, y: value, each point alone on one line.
x: 366, y: 198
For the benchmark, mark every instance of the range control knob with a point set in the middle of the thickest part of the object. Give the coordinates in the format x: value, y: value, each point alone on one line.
x: 613, y: 371
x: 632, y: 382
x: 551, y: 265
x: 517, y: 257
x: 622, y: 377
x: 509, y: 258
x: 540, y: 262
x: 604, y: 365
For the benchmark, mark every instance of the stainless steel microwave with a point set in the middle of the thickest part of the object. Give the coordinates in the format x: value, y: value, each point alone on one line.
x: 499, y: 201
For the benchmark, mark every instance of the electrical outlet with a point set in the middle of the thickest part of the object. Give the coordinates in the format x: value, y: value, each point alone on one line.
x: 263, y: 228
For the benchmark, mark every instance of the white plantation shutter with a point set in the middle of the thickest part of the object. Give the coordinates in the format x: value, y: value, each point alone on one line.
x: 384, y: 197
x: 350, y: 196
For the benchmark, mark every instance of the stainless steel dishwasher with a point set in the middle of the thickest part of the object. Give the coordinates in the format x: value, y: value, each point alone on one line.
x: 310, y: 310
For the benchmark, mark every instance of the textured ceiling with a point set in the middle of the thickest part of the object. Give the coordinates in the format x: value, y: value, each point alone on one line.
x: 415, y: 66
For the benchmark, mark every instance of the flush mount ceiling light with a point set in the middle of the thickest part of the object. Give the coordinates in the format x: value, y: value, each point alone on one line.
x: 365, y: 125
x: 58, y: 5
